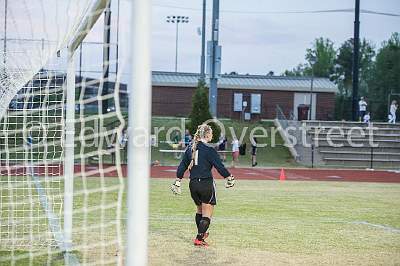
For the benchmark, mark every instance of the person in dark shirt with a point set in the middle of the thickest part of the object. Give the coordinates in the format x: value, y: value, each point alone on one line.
x: 254, y: 152
x: 200, y: 158
x: 188, y: 138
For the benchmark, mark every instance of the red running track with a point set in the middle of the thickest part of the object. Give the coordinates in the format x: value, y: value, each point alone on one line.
x: 239, y: 173
x: 296, y: 174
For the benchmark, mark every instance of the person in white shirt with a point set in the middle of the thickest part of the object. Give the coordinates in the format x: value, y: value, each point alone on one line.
x: 235, y: 152
x: 362, y: 108
x: 392, y: 113
x: 222, y: 146
x: 366, y: 118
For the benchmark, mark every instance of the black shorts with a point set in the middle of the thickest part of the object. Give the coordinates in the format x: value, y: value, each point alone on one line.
x: 203, y: 191
x: 253, y: 151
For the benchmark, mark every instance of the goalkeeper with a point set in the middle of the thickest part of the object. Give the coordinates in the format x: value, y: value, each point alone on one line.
x: 199, y: 158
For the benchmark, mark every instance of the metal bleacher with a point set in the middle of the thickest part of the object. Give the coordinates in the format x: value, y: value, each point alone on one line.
x: 354, y: 145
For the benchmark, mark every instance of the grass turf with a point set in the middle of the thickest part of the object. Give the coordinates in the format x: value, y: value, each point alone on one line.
x: 257, y: 222
x: 277, y: 156
x: 273, y: 223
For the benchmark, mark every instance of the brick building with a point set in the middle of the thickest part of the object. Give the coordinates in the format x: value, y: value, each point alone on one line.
x: 172, y: 95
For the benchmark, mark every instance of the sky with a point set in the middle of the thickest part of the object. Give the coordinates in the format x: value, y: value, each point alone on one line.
x: 255, y: 42
x: 254, y: 39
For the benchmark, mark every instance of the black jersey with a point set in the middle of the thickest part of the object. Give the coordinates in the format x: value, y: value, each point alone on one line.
x: 207, y: 157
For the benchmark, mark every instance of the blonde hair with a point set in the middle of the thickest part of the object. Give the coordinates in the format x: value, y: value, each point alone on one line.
x: 202, y: 131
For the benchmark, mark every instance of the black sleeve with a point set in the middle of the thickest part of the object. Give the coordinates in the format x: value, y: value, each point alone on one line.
x: 217, y: 163
x: 184, y: 163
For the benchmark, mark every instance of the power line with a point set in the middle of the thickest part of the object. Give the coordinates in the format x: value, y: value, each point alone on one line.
x: 379, y: 13
x: 344, y: 10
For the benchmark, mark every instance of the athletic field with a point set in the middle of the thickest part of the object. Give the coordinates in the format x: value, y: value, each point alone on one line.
x: 279, y: 223
x: 261, y: 222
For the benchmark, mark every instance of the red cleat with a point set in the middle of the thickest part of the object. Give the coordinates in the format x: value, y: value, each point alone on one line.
x: 197, y: 242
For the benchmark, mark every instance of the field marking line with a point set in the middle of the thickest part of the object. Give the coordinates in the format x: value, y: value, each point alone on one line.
x: 384, y: 227
x: 249, y: 221
x: 251, y: 173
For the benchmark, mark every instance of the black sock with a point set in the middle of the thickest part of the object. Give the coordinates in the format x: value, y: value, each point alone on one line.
x: 203, y: 226
x: 198, y: 218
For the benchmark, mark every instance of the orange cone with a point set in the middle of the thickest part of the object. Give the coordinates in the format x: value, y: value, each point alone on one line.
x: 282, y: 177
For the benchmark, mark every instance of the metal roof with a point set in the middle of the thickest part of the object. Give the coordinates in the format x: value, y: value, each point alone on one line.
x: 254, y: 82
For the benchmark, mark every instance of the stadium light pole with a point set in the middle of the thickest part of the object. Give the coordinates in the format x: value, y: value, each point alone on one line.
x: 5, y: 33
x: 213, y: 94
x: 203, y: 44
x: 177, y: 20
x: 4, y: 55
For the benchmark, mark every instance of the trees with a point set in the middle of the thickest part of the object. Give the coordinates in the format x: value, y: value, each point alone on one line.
x: 379, y: 72
x: 343, y: 74
x: 337, y: 66
x: 298, y: 71
x: 385, y: 76
x: 322, y: 55
x: 377, y: 77
x: 201, y: 111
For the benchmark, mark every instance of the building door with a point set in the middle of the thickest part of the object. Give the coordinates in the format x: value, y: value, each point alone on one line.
x: 304, y: 98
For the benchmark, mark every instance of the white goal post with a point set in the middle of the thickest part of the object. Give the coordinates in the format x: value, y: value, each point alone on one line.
x: 69, y: 161
x: 140, y: 126
x: 63, y: 174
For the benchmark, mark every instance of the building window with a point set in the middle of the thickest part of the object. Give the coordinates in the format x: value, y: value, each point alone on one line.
x: 255, y: 103
x: 237, y: 102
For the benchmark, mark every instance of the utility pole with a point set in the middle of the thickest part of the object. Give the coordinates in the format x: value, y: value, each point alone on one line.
x: 4, y: 59
x: 117, y: 46
x: 106, y: 55
x: 80, y: 62
x: 203, y: 44
x: 213, y: 93
x: 5, y: 33
x: 311, y: 92
x: 312, y: 62
x: 176, y: 47
x: 356, y: 60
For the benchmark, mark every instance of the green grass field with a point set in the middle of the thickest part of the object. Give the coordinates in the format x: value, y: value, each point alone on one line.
x: 260, y: 223
x: 277, y: 156
x: 273, y: 223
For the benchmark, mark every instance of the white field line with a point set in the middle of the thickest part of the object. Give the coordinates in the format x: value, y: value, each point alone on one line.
x: 384, y: 227
x: 255, y: 221
x: 187, y: 219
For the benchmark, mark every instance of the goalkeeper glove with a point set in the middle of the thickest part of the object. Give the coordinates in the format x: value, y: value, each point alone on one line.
x: 230, y: 181
x: 176, y: 187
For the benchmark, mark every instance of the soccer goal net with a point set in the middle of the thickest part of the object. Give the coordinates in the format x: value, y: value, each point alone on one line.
x: 63, y: 136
